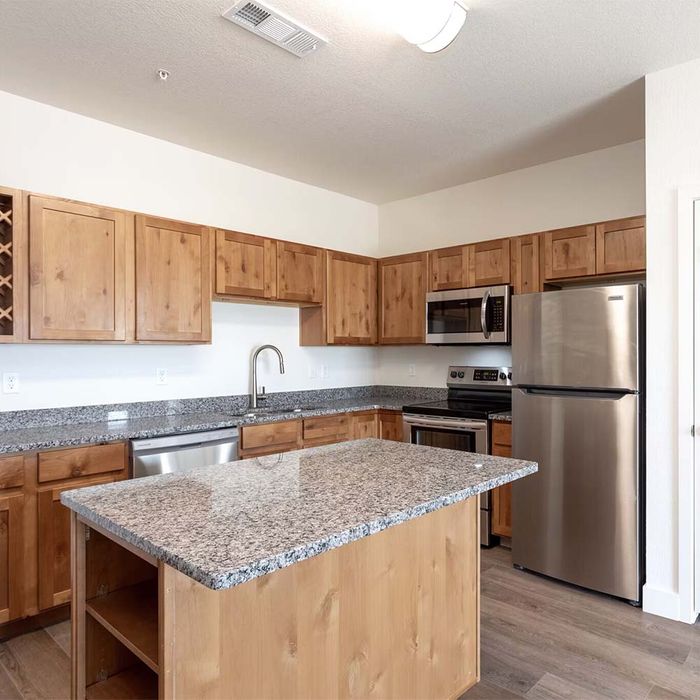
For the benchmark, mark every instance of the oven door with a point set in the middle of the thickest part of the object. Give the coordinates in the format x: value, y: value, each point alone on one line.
x: 468, y: 316
x: 463, y: 434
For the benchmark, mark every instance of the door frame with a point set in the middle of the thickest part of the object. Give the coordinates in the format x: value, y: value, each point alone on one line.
x: 688, y: 488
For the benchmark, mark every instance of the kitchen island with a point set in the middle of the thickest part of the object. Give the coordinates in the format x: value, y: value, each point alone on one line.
x: 350, y: 570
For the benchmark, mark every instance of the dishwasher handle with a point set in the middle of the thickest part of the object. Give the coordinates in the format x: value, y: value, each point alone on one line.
x: 184, y: 440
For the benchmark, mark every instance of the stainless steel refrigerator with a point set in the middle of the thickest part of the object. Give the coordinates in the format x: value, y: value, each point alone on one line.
x: 578, y: 410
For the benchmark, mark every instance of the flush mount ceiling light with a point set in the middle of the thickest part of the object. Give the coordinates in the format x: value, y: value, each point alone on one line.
x: 431, y: 25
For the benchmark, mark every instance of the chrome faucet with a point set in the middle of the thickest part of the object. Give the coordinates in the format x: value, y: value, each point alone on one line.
x: 255, y: 396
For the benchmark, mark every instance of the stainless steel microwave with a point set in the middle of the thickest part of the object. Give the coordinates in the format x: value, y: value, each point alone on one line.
x: 468, y: 316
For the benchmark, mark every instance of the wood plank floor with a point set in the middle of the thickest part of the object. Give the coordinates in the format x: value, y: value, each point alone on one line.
x: 540, y: 640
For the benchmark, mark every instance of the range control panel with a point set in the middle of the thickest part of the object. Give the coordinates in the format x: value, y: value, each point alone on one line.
x: 479, y: 376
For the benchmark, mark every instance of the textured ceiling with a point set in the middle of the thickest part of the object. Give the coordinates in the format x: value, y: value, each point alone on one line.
x: 368, y: 115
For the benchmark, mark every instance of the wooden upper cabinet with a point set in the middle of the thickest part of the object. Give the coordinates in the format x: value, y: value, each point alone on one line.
x: 449, y: 268
x: 300, y: 274
x: 569, y: 252
x: 173, y: 287
x: 351, y: 300
x: 525, y: 263
x: 81, y: 267
x: 621, y: 246
x: 489, y: 263
x: 12, y: 548
x: 246, y: 266
x: 402, y: 289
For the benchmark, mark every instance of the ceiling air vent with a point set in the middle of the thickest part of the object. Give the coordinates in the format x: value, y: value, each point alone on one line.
x: 275, y: 27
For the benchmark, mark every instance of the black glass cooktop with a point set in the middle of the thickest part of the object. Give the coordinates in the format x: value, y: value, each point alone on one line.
x: 461, y: 407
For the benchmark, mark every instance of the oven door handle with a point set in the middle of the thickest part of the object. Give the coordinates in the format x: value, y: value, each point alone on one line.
x: 484, y: 302
x: 452, y: 423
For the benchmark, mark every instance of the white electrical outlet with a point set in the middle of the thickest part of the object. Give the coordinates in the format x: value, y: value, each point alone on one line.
x: 324, y: 371
x: 312, y: 372
x: 161, y: 376
x: 10, y: 383
x: 411, y: 370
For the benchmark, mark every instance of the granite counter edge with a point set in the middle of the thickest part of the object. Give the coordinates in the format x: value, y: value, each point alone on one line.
x: 247, y: 572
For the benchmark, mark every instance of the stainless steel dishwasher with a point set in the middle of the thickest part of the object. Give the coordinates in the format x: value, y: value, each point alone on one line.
x: 179, y: 453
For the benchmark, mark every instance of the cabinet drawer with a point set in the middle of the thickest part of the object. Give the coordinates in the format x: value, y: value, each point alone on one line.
x: 260, y: 437
x: 502, y: 434
x: 82, y: 461
x: 326, y: 429
x: 11, y: 472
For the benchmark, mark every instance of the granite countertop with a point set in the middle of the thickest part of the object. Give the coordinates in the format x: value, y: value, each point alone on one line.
x: 75, y: 434
x: 504, y: 416
x: 227, y: 524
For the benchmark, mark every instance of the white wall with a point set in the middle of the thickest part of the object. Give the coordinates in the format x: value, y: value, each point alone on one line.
x: 595, y: 186
x: 70, y: 375
x: 673, y: 161
x: 51, y: 151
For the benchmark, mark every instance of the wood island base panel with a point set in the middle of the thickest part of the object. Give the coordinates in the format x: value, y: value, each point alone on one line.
x: 342, y: 582
x: 394, y: 615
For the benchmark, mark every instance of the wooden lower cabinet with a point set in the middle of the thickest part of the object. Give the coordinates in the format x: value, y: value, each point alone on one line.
x: 391, y: 425
x: 12, y: 556
x: 270, y: 438
x: 326, y: 430
x: 365, y: 425
x: 35, y: 573
x: 284, y: 436
x: 501, y: 516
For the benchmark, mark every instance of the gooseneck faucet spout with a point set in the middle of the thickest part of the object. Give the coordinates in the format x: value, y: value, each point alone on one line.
x: 256, y: 396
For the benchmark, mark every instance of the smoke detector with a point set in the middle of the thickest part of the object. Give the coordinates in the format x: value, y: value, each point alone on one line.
x: 275, y: 27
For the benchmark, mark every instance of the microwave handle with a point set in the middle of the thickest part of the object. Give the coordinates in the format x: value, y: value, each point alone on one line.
x: 484, y: 302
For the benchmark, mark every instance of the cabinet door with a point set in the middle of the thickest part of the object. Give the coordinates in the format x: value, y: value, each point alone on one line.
x: 621, y: 246
x: 53, y: 531
x: 364, y: 425
x: 326, y: 430
x: 270, y: 438
x: 246, y: 266
x: 489, y: 263
x: 501, y: 498
x: 402, y: 289
x: 13, y: 251
x: 525, y: 264
x: 569, y: 252
x: 299, y: 273
x: 351, y: 300
x: 449, y: 268
x: 81, y: 259
x: 173, y: 288
x: 391, y: 425
x: 11, y: 557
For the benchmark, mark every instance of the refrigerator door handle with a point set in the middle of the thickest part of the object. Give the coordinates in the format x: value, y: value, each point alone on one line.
x: 484, y: 303
x: 611, y: 394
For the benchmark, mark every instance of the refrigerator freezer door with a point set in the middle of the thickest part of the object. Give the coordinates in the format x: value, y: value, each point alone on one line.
x: 582, y: 338
x: 577, y: 519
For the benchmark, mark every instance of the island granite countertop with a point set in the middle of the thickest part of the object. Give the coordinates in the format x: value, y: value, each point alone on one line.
x: 138, y: 427
x: 227, y: 524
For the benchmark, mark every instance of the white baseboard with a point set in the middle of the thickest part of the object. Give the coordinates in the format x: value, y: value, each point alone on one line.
x: 665, y: 603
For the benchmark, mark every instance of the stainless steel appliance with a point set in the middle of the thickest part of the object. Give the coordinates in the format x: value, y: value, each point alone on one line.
x: 179, y: 453
x: 461, y: 422
x: 578, y: 411
x: 468, y: 316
